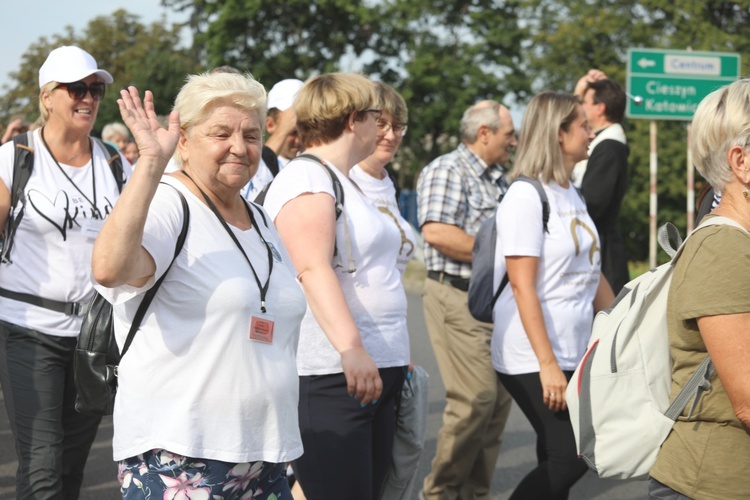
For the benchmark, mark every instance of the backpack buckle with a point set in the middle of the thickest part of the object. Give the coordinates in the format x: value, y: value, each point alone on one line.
x: 74, y: 309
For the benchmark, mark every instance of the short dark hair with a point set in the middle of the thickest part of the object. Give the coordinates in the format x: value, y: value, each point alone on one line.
x: 611, y: 94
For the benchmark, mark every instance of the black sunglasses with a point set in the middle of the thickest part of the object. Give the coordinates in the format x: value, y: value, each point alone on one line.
x: 78, y: 90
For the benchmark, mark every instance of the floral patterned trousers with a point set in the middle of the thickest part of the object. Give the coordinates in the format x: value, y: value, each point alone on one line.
x: 164, y: 475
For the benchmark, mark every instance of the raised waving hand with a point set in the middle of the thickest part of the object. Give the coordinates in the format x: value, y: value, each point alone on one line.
x: 154, y: 141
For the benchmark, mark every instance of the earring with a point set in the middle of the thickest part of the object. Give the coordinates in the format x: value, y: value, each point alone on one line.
x: 745, y: 193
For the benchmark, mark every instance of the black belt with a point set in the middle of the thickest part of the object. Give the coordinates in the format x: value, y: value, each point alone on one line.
x: 69, y: 308
x: 449, y: 279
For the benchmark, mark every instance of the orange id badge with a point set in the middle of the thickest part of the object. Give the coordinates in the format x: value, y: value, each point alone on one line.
x: 261, y: 328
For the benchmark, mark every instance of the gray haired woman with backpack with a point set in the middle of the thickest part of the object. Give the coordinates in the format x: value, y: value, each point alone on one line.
x: 707, y: 453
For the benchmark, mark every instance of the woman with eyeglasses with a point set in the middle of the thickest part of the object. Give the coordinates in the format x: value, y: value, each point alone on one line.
x: 45, y: 274
x: 372, y: 177
x: 354, y: 347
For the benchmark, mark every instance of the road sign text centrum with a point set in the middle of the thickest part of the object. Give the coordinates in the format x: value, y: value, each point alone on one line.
x: 673, y: 82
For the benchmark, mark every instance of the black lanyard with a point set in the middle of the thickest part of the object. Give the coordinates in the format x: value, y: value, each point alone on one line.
x: 97, y: 214
x: 262, y: 288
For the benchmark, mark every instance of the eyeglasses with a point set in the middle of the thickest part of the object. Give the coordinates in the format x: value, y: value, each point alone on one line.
x: 399, y: 129
x: 78, y: 90
x: 375, y: 112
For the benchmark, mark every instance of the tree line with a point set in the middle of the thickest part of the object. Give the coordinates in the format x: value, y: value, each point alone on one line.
x: 441, y: 55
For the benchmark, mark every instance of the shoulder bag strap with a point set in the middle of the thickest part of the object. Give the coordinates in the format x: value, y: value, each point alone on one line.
x: 113, y: 160
x: 23, y: 164
x: 149, y: 296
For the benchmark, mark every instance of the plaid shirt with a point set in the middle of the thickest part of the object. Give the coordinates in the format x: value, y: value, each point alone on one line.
x: 458, y: 189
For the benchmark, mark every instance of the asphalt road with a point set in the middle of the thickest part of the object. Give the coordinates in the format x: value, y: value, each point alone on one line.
x: 516, y: 458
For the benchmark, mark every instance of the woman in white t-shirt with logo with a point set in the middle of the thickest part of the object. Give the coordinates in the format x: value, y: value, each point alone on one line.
x: 354, y: 347
x: 373, y: 179
x: 542, y: 321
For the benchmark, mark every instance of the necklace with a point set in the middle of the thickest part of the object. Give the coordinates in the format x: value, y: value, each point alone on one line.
x: 75, y: 155
x: 97, y: 213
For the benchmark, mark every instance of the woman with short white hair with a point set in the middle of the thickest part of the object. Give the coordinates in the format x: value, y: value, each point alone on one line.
x: 206, y: 405
x: 117, y: 134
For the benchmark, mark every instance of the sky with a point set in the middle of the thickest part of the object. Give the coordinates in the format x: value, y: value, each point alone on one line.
x: 27, y: 21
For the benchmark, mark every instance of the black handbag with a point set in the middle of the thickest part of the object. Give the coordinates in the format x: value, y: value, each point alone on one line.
x: 96, y: 356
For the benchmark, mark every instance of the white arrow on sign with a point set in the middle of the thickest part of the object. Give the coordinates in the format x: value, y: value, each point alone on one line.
x: 646, y: 63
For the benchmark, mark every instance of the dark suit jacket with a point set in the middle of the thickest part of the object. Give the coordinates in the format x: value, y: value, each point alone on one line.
x: 603, y: 187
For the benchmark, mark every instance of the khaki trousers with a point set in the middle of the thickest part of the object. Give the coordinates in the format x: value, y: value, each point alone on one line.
x: 477, y: 405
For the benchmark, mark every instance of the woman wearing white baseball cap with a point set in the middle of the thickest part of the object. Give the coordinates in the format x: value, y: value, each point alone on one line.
x: 45, y: 273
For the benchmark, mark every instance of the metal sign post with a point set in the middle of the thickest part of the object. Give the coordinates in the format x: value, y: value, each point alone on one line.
x: 652, y: 197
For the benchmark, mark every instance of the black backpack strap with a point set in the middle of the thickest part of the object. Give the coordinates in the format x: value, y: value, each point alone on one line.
x: 394, y: 180
x: 705, y: 203
x: 338, y: 189
x: 149, y: 295
x: 338, y: 194
x: 114, y: 160
x: 261, y: 198
x: 545, y: 220
x: 270, y: 159
x: 69, y: 308
x: 23, y: 165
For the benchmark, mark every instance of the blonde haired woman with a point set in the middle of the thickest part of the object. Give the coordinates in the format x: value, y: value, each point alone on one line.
x: 354, y: 346
x: 543, y: 319
x: 45, y: 275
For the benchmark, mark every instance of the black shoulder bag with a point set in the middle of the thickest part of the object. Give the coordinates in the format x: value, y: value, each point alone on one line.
x: 96, y: 356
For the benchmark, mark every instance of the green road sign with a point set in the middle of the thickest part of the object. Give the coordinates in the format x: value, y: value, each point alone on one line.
x: 673, y: 82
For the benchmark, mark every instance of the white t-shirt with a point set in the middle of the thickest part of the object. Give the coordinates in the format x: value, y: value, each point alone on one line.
x: 51, y: 254
x: 374, y: 292
x: 382, y: 193
x: 193, y: 382
x: 567, y: 276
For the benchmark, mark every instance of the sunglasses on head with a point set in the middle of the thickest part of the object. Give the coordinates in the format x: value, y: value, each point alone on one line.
x: 78, y: 90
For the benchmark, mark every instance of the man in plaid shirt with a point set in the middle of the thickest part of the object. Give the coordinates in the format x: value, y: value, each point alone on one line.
x: 456, y: 192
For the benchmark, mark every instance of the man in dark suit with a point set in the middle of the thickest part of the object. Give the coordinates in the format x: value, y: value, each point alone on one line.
x: 603, y: 178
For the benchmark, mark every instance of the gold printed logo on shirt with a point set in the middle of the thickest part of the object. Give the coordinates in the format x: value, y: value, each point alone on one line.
x: 576, y: 222
x: 405, y: 242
